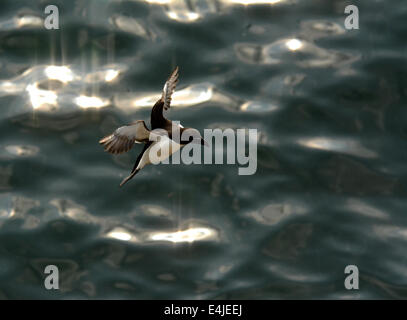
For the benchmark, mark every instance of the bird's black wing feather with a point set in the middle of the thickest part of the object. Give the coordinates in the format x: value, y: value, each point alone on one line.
x: 134, y: 170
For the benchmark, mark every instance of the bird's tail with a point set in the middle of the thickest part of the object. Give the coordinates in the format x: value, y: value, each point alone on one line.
x: 133, y: 173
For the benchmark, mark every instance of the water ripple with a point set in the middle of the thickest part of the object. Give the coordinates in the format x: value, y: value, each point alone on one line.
x: 302, y: 53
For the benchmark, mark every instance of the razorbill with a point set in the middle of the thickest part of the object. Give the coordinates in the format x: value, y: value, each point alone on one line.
x: 161, y: 137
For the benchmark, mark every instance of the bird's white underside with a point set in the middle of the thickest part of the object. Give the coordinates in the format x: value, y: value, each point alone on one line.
x: 166, y: 148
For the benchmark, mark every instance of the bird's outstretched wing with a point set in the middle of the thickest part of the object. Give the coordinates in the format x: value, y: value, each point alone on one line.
x: 169, y: 88
x: 136, y: 165
x: 124, y: 137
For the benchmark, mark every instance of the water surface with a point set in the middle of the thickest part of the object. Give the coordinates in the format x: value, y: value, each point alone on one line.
x: 329, y: 190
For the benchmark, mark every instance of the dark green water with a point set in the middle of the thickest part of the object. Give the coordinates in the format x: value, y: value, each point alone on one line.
x: 330, y: 186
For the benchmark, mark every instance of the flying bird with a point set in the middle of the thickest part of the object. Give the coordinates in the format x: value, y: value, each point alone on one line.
x: 123, y: 138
